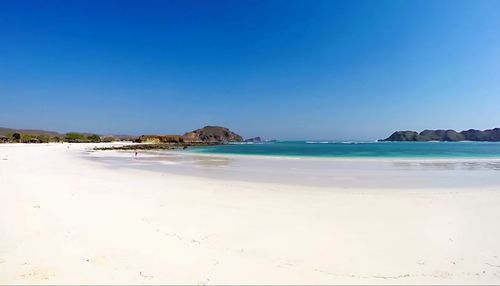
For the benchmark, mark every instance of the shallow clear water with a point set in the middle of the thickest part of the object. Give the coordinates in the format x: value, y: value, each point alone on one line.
x: 310, y: 171
x: 361, y: 149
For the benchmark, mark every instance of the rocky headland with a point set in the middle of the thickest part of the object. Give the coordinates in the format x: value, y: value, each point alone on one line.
x: 206, y: 136
x: 489, y: 135
x: 212, y: 134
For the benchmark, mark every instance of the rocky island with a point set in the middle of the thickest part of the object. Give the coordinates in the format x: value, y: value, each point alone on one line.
x: 489, y: 135
x: 253, y: 140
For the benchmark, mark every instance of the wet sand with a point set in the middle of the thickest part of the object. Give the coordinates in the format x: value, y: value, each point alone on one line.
x: 322, y: 172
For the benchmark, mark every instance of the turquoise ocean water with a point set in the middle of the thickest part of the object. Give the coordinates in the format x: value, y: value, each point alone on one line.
x: 338, y: 149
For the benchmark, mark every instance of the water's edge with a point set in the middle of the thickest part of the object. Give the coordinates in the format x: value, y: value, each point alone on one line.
x: 354, y: 150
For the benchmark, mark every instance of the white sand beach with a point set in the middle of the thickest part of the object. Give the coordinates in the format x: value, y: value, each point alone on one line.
x: 68, y: 219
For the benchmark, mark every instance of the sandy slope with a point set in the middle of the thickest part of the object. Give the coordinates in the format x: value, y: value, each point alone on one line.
x: 64, y: 219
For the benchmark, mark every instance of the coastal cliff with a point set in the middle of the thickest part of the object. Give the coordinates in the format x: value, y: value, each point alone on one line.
x: 489, y: 135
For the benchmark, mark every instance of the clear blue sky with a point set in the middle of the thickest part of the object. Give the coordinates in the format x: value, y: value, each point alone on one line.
x: 279, y: 69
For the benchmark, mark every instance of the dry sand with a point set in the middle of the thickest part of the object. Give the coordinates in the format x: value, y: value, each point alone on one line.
x: 65, y: 219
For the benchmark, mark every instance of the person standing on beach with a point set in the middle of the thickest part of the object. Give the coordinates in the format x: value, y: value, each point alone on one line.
x: 135, y: 151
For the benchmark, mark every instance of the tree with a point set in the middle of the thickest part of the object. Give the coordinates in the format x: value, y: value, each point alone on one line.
x: 75, y: 137
x: 26, y: 138
x: 108, y: 139
x: 17, y: 137
x: 43, y: 138
x: 94, y: 138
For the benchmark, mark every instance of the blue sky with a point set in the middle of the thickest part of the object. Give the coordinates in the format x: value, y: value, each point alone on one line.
x: 278, y: 69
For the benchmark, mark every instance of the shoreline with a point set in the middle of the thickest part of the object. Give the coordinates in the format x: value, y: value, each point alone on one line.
x: 353, y: 158
x: 314, y: 172
x: 129, y: 146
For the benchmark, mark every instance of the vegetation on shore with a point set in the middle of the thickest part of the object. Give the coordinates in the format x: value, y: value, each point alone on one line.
x: 208, y: 135
x: 71, y: 137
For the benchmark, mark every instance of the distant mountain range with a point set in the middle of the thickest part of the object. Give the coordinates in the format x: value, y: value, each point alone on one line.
x: 489, y: 135
x: 7, y: 131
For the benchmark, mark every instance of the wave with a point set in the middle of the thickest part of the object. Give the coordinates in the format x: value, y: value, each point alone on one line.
x: 249, y: 143
x: 339, y: 142
x: 318, y: 142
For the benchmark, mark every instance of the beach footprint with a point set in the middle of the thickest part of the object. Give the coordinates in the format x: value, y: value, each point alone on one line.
x: 35, y: 275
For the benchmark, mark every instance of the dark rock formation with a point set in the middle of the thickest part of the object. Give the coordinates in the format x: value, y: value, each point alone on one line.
x: 478, y: 135
x: 254, y: 140
x: 446, y: 135
x: 402, y: 136
x: 440, y: 135
x: 161, y: 146
x: 212, y: 134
